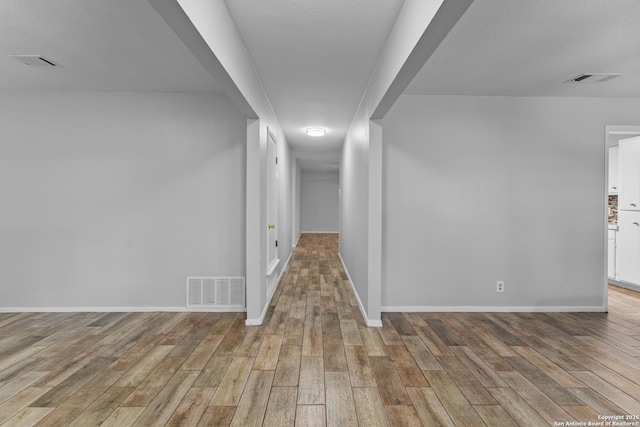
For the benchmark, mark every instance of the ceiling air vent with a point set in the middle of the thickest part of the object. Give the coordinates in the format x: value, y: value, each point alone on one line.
x: 594, y: 77
x: 35, y: 61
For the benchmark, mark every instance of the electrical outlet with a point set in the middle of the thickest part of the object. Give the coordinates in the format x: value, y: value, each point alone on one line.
x: 500, y: 286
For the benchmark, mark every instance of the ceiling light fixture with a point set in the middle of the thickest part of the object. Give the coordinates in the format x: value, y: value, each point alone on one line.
x: 316, y: 131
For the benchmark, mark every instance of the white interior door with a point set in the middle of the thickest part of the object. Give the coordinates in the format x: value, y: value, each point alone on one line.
x: 272, y: 203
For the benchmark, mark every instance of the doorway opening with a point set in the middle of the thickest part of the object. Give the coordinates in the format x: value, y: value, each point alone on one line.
x: 622, y: 211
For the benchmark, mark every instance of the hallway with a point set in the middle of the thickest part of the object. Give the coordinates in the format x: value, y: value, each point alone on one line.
x: 314, y: 362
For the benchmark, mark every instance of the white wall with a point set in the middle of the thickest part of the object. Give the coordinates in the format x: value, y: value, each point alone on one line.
x: 111, y: 200
x: 285, y: 166
x: 354, y: 213
x: 297, y: 203
x: 319, y: 202
x: 480, y: 189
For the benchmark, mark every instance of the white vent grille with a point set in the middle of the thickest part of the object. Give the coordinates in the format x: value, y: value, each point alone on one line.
x: 594, y: 77
x: 35, y: 61
x: 216, y: 293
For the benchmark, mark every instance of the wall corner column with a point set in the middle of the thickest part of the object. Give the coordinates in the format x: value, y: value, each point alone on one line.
x: 253, y: 279
x: 375, y: 224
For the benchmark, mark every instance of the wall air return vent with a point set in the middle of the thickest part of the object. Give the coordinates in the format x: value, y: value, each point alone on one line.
x: 594, y: 77
x: 35, y: 61
x: 216, y: 293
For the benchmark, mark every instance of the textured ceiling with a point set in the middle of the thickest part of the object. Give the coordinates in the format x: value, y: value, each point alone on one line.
x: 531, y: 47
x: 315, y: 59
x: 102, y: 45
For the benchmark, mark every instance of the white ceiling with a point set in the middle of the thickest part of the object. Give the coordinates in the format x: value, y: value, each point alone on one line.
x: 531, y: 47
x: 315, y: 59
x: 102, y: 45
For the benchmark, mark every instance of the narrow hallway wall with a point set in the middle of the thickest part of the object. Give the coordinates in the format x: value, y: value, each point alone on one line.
x: 319, y: 202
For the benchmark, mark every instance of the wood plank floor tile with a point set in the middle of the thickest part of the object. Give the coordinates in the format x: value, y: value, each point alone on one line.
x: 311, y: 416
x: 123, y: 417
x: 403, y: 415
x: 138, y: 372
x: 333, y: 353
x: 153, y: 383
x: 475, y: 392
x: 27, y: 417
x: 201, y: 355
x: 312, y: 341
x: 360, y: 371
x: 311, y: 388
x: 429, y: 407
x: 548, y: 367
x: 167, y: 400
x: 102, y: 407
x: 582, y: 413
x: 389, y: 383
x: 19, y: 383
x: 596, y: 401
x: 546, y: 407
x: 340, y: 405
x: 370, y: 408
x: 233, y: 383
x: 315, y: 362
x: 251, y: 408
x: 372, y: 342
x: 350, y: 332
x: 457, y: 405
x: 192, y: 406
x: 433, y: 342
x: 19, y: 401
x: 267, y: 358
x: 518, y: 408
x: 607, y: 390
x: 423, y: 357
x: 213, y: 371
x: 281, y: 409
x: 494, y: 415
x: 217, y: 416
x: 546, y: 384
x: 388, y: 333
x: 288, y: 368
x: 410, y: 373
x: 477, y: 366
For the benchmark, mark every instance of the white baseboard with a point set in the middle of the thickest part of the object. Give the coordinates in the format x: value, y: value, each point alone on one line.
x: 370, y: 322
x: 319, y: 232
x: 259, y: 320
x: 119, y: 309
x: 626, y: 285
x: 498, y: 309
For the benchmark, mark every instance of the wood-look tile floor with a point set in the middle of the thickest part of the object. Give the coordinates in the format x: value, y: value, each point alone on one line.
x: 314, y: 362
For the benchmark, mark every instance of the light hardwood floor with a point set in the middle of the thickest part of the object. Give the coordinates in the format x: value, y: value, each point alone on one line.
x: 315, y: 363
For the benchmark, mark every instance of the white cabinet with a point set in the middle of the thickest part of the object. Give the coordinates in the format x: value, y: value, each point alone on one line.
x: 611, y: 253
x: 628, y: 247
x: 629, y: 174
x: 613, y: 170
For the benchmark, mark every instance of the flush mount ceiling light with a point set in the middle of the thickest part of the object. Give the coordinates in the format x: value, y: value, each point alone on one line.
x: 316, y: 131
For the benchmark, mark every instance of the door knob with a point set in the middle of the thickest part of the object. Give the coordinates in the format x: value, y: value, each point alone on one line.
x: 272, y: 226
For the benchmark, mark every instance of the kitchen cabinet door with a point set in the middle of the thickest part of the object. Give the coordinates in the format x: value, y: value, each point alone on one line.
x: 611, y: 254
x: 629, y: 174
x: 613, y: 170
x: 628, y: 247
